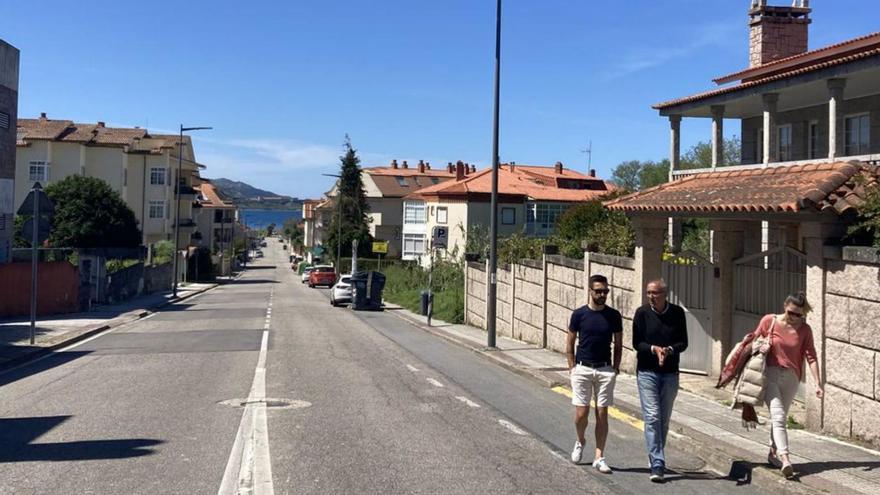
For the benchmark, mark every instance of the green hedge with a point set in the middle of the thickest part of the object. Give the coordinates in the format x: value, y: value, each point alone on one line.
x: 404, y: 283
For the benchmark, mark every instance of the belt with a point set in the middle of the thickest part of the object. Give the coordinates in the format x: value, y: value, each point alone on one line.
x: 594, y: 364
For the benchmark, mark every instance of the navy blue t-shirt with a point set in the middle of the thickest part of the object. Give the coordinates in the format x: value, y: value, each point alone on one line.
x: 595, y: 330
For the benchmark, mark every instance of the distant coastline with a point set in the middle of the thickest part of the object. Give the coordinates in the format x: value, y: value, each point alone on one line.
x: 260, y: 218
x: 261, y: 205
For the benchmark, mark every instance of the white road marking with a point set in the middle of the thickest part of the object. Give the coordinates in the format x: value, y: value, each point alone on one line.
x: 467, y: 401
x: 558, y: 455
x: 512, y: 427
x: 435, y: 383
x: 412, y: 368
x: 249, y: 468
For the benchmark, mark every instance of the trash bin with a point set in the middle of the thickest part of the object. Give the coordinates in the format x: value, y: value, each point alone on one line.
x: 366, y: 290
x: 427, y: 298
x: 375, y: 285
x: 359, y: 291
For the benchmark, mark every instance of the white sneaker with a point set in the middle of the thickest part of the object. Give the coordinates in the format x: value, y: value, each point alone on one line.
x: 601, y: 466
x: 577, y: 452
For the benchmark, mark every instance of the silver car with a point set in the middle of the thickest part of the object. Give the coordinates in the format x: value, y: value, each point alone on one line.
x: 340, y: 293
x: 305, y: 275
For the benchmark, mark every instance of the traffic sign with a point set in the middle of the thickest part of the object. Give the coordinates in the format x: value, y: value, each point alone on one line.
x: 27, y: 230
x: 440, y: 237
x: 380, y: 247
x: 45, y: 206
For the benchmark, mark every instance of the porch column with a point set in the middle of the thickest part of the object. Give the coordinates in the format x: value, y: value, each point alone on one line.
x: 835, y: 118
x: 717, y: 135
x: 815, y: 235
x: 728, y: 241
x: 648, y: 254
x: 770, y: 101
x: 674, y: 228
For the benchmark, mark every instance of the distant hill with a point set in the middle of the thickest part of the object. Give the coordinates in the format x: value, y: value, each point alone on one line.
x: 248, y: 196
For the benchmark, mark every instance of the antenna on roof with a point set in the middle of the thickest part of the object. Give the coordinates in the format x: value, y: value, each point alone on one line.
x: 589, y: 152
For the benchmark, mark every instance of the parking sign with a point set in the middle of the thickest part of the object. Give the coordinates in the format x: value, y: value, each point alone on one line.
x: 440, y: 237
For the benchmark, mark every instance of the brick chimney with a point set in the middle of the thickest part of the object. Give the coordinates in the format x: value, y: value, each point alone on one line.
x: 421, y: 166
x: 428, y: 165
x: 43, y: 116
x: 405, y: 165
x: 459, y: 170
x: 512, y: 166
x: 394, y: 164
x: 558, y: 167
x: 450, y: 168
x: 101, y: 124
x: 777, y: 32
x: 473, y: 169
x: 592, y: 172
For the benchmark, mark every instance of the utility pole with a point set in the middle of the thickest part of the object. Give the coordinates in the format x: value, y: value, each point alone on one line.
x: 177, y: 200
x: 589, y: 151
x: 493, y: 221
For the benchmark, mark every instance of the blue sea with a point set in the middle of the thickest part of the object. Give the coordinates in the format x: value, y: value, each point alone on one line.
x: 260, y: 219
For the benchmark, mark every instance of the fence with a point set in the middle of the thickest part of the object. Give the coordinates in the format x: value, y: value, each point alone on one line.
x: 57, y: 288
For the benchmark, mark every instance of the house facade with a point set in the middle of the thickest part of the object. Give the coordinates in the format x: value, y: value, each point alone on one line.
x: 215, y: 218
x: 140, y: 166
x: 530, y: 200
x: 8, y: 115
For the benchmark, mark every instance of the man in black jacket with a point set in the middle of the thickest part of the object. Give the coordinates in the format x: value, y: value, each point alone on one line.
x: 659, y: 337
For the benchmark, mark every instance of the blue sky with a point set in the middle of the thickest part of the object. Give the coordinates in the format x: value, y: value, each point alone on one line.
x: 282, y: 82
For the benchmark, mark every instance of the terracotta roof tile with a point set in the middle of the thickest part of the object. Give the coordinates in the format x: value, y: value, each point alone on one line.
x: 210, y: 196
x: 42, y: 128
x: 818, y: 186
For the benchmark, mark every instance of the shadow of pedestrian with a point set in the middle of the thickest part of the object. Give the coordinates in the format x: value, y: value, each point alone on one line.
x: 16, y: 435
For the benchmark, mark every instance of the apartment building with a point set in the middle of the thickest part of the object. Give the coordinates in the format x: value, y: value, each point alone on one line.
x: 8, y: 114
x: 215, y: 218
x: 140, y: 166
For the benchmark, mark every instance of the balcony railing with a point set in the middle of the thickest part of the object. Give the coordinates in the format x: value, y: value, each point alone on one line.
x: 681, y: 174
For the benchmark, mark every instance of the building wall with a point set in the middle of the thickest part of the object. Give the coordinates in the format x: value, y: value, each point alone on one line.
x: 57, y: 285
x: 799, y: 120
x: 9, y: 57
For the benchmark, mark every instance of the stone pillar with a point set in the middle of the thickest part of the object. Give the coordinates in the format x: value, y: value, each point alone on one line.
x: 836, y: 131
x: 770, y: 102
x: 648, y: 254
x: 727, y: 246
x: 717, y: 135
x: 124, y: 179
x: 814, y: 236
x: 544, y: 301
x: 486, y: 297
x: 674, y: 225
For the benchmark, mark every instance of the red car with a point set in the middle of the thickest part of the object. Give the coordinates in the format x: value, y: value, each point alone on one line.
x: 322, y: 275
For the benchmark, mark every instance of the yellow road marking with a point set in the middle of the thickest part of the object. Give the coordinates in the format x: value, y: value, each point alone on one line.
x: 612, y: 411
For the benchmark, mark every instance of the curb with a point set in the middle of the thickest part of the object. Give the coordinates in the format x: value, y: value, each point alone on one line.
x: 132, y: 316
x: 688, y: 440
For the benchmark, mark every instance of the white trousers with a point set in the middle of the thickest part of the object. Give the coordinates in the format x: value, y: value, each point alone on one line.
x: 781, y: 387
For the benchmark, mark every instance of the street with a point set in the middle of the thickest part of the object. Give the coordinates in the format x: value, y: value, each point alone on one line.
x: 260, y: 386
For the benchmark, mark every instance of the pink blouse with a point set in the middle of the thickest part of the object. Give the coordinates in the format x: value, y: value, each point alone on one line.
x: 789, y: 346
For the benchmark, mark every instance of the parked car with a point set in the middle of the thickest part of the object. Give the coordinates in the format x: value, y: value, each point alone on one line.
x: 322, y: 275
x: 305, y: 274
x: 341, y: 292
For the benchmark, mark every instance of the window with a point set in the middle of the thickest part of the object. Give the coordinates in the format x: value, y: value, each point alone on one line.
x: 4, y: 121
x: 759, y: 145
x: 857, y: 129
x: 157, y: 176
x: 435, y: 180
x: 413, y: 245
x: 442, y: 214
x: 783, y: 143
x: 508, y: 216
x: 813, y: 139
x: 401, y: 181
x: 414, y: 212
x: 157, y: 209
x: 541, y: 217
x: 38, y: 171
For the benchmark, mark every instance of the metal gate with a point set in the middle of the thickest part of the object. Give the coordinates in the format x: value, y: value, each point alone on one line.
x: 689, y: 279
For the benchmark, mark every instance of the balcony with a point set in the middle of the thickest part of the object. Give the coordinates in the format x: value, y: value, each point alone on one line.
x: 186, y: 223
x: 869, y: 159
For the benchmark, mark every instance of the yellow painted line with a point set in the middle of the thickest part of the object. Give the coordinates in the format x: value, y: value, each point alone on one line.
x: 612, y: 411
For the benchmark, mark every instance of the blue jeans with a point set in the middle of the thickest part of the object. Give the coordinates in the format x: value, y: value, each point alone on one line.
x: 657, y: 393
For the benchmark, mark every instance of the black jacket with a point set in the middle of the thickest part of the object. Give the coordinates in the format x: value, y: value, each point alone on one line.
x: 664, y: 330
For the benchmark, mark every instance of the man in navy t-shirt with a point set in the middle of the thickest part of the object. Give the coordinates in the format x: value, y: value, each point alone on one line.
x: 594, y: 369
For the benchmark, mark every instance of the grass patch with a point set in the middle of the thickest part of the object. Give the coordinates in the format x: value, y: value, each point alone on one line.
x: 405, y: 282
x: 792, y: 424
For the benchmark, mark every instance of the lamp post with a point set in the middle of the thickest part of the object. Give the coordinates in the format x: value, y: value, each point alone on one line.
x: 177, y: 198
x: 338, y: 220
x: 493, y: 221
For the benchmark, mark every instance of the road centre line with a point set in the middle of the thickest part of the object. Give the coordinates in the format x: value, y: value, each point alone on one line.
x: 412, y: 368
x: 467, y: 401
x: 612, y: 411
x: 512, y: 427
x: 435, y: 383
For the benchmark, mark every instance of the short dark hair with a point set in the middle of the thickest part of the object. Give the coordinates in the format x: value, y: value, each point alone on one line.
x: 598, y: 278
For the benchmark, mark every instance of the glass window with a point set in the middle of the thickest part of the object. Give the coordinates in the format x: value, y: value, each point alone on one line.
x: 414, y: 212
x: 759, y: 145
x: 401, y: 181
x: 413, y: 245
x: 38, y: 171
x: 508, y: 216
x: 157, y: 209
x: 813, y: 140
x: 442, y: 214
x: 541, y: 217
x: 783, y: 143
x: 157, y: 176
x: 857, y: 129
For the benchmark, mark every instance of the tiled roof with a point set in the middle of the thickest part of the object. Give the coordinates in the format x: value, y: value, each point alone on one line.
x: 810, y: 65
x: 69, y: 131
x: 210, y: 196
x: 838, y: 186
x: 433, y: 172
x: 42, y: 128
x: 527, y: 181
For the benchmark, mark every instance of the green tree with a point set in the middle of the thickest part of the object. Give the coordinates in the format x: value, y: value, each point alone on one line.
x: 351, y: 201
x: 700, y: 154
x: 270, y: 229
x: 626, y: 175
x: 653, y: 174
x: 579, y: 219
x: 293, y: 231
x: 89, y: 213
x: 867, y: 228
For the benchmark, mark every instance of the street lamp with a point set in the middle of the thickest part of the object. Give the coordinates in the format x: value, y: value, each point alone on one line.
x: 338, y: 220
x: 177, y: 197
x: 493, y: 221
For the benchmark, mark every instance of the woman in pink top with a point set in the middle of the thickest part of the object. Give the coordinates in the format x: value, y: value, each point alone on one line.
x: 791, y: 343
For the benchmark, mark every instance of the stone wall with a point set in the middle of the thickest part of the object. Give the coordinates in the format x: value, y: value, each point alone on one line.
x: 623, y: 295
x: 528, y: 317
x: 565, y: 293
x: 852, y: 345
x: 475, y: 298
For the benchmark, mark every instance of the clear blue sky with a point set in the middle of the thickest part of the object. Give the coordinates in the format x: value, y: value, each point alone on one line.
x: 282, y: 82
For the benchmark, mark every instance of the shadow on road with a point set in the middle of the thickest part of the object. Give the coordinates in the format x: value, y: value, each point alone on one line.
x: 54, y: 359
x: 16, y: 435
x: 248, y: 281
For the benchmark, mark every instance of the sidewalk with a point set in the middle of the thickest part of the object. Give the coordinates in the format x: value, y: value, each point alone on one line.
x: 713, y: 430
x: 56, y: 331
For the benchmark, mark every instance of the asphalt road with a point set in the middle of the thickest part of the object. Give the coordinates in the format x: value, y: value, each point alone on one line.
x: 260, y: 385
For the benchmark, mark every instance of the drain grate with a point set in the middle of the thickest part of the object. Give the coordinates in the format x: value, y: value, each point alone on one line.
x: 270, y: 402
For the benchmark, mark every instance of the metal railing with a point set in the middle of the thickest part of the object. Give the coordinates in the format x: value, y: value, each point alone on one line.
x: 681, y: 174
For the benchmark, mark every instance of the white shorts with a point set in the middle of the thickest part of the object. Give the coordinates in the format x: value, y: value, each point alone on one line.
x: 592, y: 383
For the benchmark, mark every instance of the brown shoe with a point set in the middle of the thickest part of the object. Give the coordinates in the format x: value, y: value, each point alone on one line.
x: 787, y: 471
x: 774, y: 461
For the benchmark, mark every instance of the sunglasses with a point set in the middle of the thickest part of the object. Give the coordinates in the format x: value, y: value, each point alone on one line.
x: 794, y: 314
x: 600, y: 291
x: 655, y: 292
